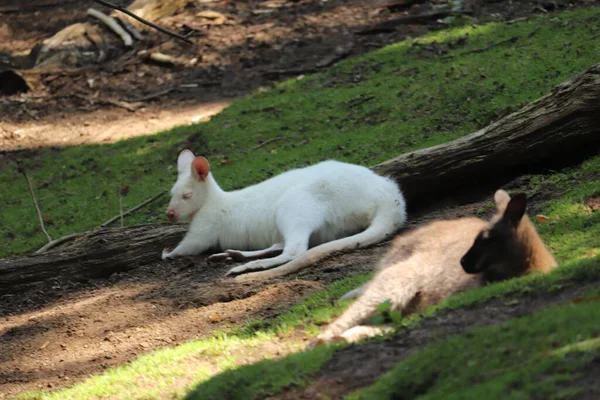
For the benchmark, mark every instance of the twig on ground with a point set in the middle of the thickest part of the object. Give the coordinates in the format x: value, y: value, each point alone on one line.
x: 73, y: 236
x: 120, y: 204
x: 161, y: 58
x: 266, y: 142
x: 511, y: 39
x: 130, y: 28
x: 390, y: 25
x: 113, y: 25
x: 359, y: 100
x: 142, y: 20
x: 153, y: 95
x: 513, y: 21
x: 58, y: 241
x: 119, y: 103
x: 37, y: 207
x: 142, y: 204
x: 281, y: 73
x: 533, y: 32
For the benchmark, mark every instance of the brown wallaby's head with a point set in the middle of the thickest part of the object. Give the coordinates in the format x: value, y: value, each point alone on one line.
x: 497, y: 250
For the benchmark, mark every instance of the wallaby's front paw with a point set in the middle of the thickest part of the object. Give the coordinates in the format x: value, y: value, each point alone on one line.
x: 236, y: 255
x: 166, y: 254
x: 218, y: 257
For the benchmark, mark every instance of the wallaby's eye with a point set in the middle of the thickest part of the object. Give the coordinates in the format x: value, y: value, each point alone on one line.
x: 187, y: 195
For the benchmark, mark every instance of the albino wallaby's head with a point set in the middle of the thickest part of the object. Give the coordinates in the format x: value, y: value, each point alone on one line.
x: 498, y: 251
x: 190, y: 189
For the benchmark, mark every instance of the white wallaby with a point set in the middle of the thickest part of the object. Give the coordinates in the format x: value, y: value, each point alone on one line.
x: 424, y: 266
x: 331, y: 206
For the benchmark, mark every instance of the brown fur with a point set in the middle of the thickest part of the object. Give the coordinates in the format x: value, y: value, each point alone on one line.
x: 423, y: 267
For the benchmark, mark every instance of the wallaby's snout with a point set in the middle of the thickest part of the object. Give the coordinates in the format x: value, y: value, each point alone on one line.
x: 467, y: 264
x: 472, y: 262
x: 172, y: 215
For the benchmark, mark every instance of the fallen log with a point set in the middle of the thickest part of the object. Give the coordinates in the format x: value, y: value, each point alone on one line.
x: 97, y: 254
x: 563, y: 125
x: 564, y: 122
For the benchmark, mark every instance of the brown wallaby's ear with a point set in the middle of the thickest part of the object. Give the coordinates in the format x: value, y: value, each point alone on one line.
x: 200, y: 168
x: 515, y: 209
x: 501, y: 198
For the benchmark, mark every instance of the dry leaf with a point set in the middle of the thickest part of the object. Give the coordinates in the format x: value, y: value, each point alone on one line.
x: 215, y: 17
x: 585, y: 299
x: 542, y: 218
x: 593, y: 202
x: 214, y: 318
x: 226, y: 162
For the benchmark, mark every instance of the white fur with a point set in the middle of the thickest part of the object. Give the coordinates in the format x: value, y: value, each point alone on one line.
x: 330, y: 205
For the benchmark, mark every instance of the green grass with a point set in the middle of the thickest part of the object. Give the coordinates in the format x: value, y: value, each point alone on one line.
x: 364, y: 110
x: 534, y: 357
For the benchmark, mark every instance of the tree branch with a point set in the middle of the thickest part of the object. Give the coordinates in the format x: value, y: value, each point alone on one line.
x: 142, y: 20
x: 58, y: 241
x: 122, y: 214
x: 54, y: 243
x: 113, y: 25
x: 37, y: 208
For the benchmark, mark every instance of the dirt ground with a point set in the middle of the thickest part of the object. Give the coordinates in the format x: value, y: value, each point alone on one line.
x: 58, y: 334
x: 259, y: 42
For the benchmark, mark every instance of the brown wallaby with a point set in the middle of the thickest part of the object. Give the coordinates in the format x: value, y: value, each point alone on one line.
x: 424, y: 266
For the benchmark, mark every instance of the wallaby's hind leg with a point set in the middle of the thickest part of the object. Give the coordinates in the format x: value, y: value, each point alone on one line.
x: 294, y: 247
x: 381, y: 228
x: 398, y: 285
x: 296, y: 225
x: 238, y: 255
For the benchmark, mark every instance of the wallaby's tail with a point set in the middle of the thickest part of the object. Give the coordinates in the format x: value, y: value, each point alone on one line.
x: 383, y: 226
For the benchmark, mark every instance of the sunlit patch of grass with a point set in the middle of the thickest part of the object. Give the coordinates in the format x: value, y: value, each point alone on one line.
x: 536, y: 356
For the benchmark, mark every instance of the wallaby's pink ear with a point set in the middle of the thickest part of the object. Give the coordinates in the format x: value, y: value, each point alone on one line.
x: 515, y: 209
x: 184, y: 160
x: 200, y: 168
x: 501, y: 198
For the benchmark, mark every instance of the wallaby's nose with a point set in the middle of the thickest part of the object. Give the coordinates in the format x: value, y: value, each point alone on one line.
x: 171, y: 215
